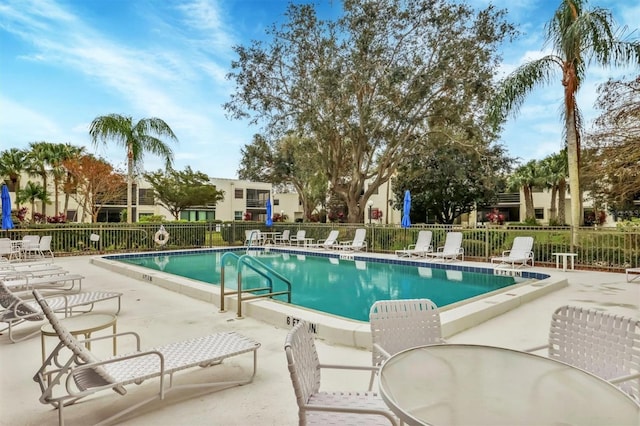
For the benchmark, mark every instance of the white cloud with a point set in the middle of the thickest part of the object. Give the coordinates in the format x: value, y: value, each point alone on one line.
x: 27, y: 125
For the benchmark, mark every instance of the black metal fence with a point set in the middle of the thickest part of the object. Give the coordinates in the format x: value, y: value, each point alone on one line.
x: 603, y: 248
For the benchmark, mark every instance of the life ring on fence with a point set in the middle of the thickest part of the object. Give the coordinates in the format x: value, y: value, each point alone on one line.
x: 161, y: 237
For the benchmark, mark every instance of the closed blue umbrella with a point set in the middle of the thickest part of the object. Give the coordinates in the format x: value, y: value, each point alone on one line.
x: 269, y: 221
x: 406, y: 208
x: 7, y: 223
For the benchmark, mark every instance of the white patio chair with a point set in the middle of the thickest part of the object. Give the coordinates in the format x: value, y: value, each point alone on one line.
x: 358, y: 243
x: 520, y: 253
x: 45, y: 246
x: 19, y: 310
x: 8, y: 249
x: 451, y: 250
x: 30, y: 246
x: 252, y: 237
x: 83, y: 373
x: 397, y: 325
x: 420, y: 248
x: 603, y: 344
x: 328, y: 408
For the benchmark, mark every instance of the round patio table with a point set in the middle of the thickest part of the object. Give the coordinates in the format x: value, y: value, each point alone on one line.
x: 84, y: 324
x: 484, y: 385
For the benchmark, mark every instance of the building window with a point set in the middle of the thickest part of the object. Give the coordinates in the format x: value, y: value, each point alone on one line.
x: 146, y: 197
x: 71, y: 216
x: 276, y: 202
x: 239, y: 194
x: 539, y: 213
x: 238, y: 215
x: 198, y: 215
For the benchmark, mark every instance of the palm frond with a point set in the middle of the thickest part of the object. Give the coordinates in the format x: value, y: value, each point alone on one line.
x: 514, y: 89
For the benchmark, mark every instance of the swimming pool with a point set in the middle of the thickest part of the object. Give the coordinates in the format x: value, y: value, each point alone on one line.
x: 342, y: 287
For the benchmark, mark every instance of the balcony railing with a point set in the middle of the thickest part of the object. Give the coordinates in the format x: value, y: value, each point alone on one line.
x: 509, y: 198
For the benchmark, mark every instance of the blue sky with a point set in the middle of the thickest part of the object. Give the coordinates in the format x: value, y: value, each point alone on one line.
x: 65, y: 62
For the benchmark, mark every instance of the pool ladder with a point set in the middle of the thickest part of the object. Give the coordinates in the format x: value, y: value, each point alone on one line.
x: 258, y: 267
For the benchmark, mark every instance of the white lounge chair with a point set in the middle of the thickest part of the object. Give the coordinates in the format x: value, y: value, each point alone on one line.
x: 15, y: 268
x: 520, y: 254
x: 629, y: 272
x: 28, y: 281
x: 328, y: 408
x: 329, y: 242
x: 397, y: 325
x: 84, y: 374
x: 451, y: 250
x: 420, y: 248
x: 603, y: 344
x: 358, y: 243
x: 19, y: 310
x: 284, y: 238
x: 300, y: 238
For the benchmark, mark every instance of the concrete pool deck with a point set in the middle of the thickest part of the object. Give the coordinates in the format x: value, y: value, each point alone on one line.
x: 162, y: 316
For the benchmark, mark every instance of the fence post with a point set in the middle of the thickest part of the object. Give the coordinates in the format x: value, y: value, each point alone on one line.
x: 486, y: 243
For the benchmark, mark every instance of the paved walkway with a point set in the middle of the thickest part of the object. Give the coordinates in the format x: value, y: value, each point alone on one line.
x: 161, y: 316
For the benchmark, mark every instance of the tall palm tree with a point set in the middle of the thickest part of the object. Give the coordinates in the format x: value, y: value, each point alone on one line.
x: 12, y: 164
x: 137, y: 138
x: 59, y: 153
x: 39, y: 160
x: 69, y: 185
x: 578, y: 36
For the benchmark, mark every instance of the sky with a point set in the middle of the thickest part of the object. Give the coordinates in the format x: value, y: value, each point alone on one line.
x: 65, y: 62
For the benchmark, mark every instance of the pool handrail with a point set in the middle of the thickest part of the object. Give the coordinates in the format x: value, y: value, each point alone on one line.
x: 246, y: 260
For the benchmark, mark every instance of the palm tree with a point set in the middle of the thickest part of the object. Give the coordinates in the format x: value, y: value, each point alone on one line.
x: 39, y: 160
x: 137, y: 138
x: 31, y: 193
x: 58, y: 154
x: 578, y: 37
x: 554, y: 170
x: 69, y: 184
x: 12, y: 164
x: 526, y: 177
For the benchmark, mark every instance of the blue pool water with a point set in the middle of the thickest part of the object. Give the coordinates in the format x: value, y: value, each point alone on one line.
x: 346, y: 288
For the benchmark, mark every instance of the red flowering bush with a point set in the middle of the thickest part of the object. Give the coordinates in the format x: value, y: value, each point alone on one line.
x: 495, y: 217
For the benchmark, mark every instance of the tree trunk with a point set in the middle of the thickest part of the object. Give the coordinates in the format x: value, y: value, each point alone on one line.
x: 552, y: 210
x: 573, y: 158
x: 528, y: 203
x: 45, y: 189
x: 129, y: 185
x: 56, y: 185
x: 562, y: 193
x: 356, y: 213
x: 16, y: 188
